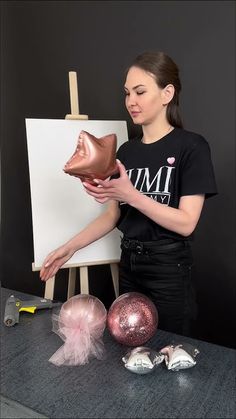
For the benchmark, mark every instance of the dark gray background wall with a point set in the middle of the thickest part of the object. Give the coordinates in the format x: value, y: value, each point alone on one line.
x: 42, y: 42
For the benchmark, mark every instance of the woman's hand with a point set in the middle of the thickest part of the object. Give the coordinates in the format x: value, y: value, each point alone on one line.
x: 120, y: 189
x: 54, y: 261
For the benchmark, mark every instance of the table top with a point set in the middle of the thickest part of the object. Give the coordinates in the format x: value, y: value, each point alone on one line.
x: 106, y: 389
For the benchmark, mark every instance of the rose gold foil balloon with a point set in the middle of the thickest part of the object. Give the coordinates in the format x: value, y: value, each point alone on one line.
x: 94, y: 158
x: 80, y: 324
x: 132, y: 319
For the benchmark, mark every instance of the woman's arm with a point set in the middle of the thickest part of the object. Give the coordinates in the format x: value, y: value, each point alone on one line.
x: 182, y: 220
x: 98, y: 228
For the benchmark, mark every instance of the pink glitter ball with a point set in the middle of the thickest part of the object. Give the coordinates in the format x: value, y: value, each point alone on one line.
x: 132, y: 319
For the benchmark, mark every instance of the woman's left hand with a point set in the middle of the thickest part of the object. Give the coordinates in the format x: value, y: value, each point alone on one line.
x: 120, y: 189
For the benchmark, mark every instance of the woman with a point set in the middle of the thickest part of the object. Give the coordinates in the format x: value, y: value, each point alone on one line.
x: 156, y: 202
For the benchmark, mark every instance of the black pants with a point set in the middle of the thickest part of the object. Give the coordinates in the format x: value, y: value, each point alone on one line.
x: 162, y: 271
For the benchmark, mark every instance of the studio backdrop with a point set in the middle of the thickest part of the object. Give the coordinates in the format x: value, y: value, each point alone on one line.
x: 42, y: 42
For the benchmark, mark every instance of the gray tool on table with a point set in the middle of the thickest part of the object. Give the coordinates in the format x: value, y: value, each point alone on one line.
x: 14, y: 306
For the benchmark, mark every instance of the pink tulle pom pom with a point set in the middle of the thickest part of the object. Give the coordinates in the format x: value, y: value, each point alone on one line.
x: 80, y: 324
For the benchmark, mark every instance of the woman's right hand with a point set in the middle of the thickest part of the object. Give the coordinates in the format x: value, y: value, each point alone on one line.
x: 54, y: 261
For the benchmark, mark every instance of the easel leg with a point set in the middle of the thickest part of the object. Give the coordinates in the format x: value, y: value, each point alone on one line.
x: 71, y: 283
x: 115, y: 277
x: 49, y: 288
x: 84, y: 285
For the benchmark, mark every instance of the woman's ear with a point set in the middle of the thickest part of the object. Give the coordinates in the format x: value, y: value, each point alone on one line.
x: 168, y: 94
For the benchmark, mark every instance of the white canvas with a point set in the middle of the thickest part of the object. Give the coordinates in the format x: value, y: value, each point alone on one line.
x: 60, y: 206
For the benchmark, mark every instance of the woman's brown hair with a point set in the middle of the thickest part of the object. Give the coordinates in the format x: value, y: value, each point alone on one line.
x: 166, y: 72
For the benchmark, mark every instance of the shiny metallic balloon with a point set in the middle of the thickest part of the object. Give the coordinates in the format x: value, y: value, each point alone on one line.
x: 94, y: 158
x: 132, y: 319
x: 179, y: 356
x: 142, y: 360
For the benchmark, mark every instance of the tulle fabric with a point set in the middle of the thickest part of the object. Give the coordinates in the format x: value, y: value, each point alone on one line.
x: 80, y: 324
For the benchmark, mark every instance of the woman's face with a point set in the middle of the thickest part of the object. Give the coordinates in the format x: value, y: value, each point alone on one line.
x: 144, y: 99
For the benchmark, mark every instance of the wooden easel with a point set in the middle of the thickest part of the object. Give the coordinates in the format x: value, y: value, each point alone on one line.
x: 84, y: 281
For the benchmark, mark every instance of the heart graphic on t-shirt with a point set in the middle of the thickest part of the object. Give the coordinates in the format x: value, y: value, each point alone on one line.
x: 171, y: 160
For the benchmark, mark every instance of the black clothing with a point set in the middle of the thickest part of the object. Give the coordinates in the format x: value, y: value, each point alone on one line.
x: 161, y: 270
x: 155, y: 261
x: 178, y: 164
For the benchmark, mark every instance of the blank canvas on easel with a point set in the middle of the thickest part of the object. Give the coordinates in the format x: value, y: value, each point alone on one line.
x: 60, y: 206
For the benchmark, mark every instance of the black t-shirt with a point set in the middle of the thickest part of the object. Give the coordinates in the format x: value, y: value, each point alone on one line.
x: 178, y: 164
